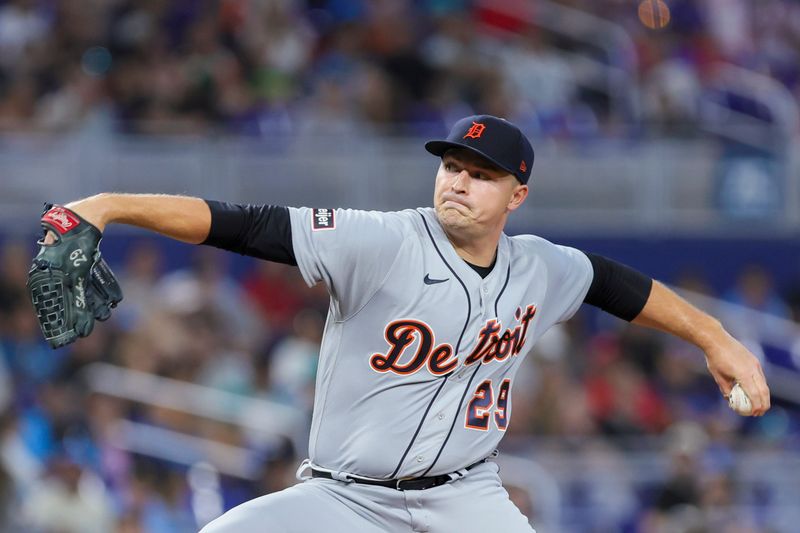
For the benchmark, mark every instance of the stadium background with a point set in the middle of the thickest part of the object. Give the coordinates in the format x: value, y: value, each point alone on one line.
x: 674, y: 151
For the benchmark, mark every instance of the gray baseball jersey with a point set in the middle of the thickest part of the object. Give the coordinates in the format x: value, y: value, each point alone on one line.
x: 419, y: 355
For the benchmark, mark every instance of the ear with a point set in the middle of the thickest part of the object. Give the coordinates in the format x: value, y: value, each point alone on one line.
x: 518, y: 196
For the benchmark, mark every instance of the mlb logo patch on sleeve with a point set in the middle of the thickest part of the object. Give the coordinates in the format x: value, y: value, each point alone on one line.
x: 323, y: 219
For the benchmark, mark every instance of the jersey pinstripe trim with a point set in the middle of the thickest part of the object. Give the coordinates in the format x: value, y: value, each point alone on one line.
x: 455, y: 418
x: 497, y: 301
x: 463, y: 285
x: 419, y: 427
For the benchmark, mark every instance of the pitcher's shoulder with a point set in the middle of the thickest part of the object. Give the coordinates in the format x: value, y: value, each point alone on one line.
x: 530, y: 247
x: 528, y: 242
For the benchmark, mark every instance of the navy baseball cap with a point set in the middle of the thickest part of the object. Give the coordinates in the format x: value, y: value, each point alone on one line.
x: 492, y: 138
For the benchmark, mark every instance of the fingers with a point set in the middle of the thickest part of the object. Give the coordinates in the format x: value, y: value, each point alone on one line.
x: 765, y: 388
x: 758, y: 392
x: 734, y: 365
x: 725, y: 385
x: 755, y: 386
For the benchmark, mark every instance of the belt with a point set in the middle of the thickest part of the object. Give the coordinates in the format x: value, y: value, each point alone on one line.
x: 413, y: 483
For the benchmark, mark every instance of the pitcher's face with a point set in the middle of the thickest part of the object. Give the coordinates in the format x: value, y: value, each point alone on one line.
x: 472, y: 192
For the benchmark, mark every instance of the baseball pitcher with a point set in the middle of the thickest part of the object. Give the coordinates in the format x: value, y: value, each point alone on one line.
x: 432, y: 311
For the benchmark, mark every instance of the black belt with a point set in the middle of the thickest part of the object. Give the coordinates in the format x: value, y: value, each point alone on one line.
x: 414, y: 483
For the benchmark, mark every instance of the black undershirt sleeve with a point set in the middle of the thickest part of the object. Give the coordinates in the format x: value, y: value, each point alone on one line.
x: 616, y: 288
x: 263, y: 231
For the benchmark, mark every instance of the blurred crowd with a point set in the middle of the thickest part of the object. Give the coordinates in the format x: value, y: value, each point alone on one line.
x: 257, y: 67
x: 594, y: 389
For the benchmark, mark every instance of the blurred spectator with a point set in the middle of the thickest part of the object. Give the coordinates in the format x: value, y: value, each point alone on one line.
x: 620, y: 397
x: 70, y: 499
x: 522, y: 500
x: 5, y: 384
x: 678, y: 496
x: 688, y: 391
x: 278, y: 291
x: 279, y: 468
x: 7, y: 500
x: 293, y: 362
x: 557, y: 408
x: 754, y: 290
x: 671, y: 95
x: 542, y: 79
x: 103, y: 414
x: 138, y: 277
x: 79, y: 102
x: 686, y: 442
x: 159, y: 499
x: 729, y: 25
x: 207, y: 285
x: 227, y: 368
x: 279, y: 39
x: 15, y: 456
x: 22, y: 25
x: 14, y: 264
x: 30, y: 359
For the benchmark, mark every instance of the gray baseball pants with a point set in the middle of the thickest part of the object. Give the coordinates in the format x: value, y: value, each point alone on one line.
x: 477, y: 503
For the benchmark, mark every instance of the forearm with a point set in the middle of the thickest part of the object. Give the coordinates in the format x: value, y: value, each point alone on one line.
x: 179, y: 217
x: 666, y: 311
x: 728, y: 361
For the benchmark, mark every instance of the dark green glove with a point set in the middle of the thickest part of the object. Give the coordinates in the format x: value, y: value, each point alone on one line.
x: 69, y: 283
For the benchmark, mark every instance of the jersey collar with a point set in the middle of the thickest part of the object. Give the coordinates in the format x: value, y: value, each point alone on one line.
x: 458, y: 264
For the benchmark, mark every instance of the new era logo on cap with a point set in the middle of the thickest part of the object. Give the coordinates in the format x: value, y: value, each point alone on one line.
x: 493, y: 138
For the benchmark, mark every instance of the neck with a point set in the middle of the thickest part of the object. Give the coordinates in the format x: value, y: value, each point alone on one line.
x: 479, y: 251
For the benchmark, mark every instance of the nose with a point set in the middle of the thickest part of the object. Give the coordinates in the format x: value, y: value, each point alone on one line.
x: 460, y: 181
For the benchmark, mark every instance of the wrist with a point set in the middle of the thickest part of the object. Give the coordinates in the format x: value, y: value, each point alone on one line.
x: 97, y: 209
x: 709, y: 334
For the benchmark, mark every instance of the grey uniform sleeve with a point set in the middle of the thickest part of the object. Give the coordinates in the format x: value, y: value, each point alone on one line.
x: 569, y: 275
x: 350, y: 251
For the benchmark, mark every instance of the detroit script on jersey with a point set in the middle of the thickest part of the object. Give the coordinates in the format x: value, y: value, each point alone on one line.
x: 420, y: 352
x: 489, y: 346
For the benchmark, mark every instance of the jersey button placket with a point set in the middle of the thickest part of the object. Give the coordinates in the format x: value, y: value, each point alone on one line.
x: 482, y: 298
x: 478, y: 316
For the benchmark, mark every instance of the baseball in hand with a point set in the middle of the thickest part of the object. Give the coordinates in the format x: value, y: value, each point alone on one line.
x: 739, y: 402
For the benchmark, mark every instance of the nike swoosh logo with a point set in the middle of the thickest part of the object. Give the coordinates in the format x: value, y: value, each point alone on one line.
x: 430, y: 281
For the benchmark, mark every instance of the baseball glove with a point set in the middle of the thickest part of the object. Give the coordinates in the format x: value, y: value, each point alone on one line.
x: 70, y: 284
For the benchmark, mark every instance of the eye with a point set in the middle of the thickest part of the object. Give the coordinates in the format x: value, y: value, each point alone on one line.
x: 450, y: 167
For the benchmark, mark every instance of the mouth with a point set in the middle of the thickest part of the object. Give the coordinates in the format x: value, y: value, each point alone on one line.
x: 452, y: 202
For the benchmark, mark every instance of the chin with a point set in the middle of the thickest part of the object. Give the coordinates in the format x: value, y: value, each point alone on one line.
x: 451, y: 217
